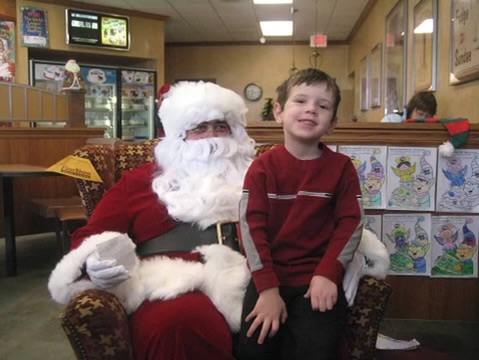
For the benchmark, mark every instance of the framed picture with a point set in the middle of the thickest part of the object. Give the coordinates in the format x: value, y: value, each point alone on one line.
x: 7, y: 51
x: 34, y: 27
x: 425, y: 45
x: 395, y: 55
x: 364, y: 83
x: 464, y: 41
x: 375, y: 70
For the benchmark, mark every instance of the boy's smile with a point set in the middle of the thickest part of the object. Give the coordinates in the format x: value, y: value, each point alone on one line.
x: 308, y: 112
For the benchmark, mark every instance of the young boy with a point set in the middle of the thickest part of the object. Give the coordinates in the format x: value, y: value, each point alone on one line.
x: 301, y: 221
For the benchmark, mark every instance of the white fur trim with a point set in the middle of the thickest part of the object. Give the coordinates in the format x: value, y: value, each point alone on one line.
x: 376, y: 253
x: 62, y: 284
x: 223, y: 278
x: 446, y: 149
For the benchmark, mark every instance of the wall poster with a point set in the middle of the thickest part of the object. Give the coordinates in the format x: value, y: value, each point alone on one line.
x: 464, y: 41
x: 34, y: 27
x: 7, y: 51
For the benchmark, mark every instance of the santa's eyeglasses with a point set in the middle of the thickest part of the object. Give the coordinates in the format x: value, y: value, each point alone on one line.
x: 217, y: 127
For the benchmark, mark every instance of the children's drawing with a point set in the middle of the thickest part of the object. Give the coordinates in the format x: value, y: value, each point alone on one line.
x: 373, y: 223
x: 458, y: 182
x: 411, y: 178
x: 370, y: 162
x: 454, y: 248
x: 407, y: 238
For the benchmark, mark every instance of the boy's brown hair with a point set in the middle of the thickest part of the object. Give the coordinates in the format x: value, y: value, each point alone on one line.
x: 424, y: 101
x: 309, y: 76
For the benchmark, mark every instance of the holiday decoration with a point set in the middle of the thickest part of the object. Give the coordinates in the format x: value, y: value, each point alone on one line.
x: 72, y: 79
x: 458, y: 128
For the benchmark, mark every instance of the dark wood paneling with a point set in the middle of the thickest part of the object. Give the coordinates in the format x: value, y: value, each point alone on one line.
x: 44, y: 147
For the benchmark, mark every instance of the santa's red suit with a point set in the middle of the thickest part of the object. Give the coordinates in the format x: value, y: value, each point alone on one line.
x: 188, y: 327
x: 196, y: 182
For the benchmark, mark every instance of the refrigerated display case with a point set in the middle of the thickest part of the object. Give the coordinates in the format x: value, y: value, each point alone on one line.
x: 122, y: 100
x: 137, y: 104
x: 100, y: 98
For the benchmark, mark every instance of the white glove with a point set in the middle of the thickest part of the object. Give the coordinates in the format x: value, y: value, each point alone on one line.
x: 354, y: 271
x: 105, y: 273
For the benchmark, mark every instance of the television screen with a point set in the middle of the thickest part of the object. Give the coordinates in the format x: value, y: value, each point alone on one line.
x: 95, y: 29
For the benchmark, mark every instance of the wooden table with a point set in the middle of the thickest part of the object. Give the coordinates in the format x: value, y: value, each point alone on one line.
x: 8, y: 172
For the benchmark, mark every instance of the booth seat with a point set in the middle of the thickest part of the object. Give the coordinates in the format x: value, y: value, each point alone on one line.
x: 96, y: 323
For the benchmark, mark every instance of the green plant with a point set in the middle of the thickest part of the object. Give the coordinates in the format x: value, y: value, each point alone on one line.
x: 267, y: 112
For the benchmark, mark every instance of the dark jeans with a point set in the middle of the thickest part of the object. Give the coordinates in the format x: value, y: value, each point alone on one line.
x: 307, y: 334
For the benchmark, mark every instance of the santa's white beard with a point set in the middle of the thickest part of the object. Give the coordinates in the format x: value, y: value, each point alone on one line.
x: 202, y: 179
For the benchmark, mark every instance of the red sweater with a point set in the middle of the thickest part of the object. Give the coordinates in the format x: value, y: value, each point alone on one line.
x: 300, y: 218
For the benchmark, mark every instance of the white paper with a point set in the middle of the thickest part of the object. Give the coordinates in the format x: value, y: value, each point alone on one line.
x: 120, y: 248
x: 387, y: 343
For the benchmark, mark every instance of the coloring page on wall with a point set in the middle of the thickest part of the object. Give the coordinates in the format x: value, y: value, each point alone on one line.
x: 373, y: 223
x: 454, y: 246
x: 333, y: 147
x: 370, y: 163
x: 411, y: 174
x: 408, y: 240
x: 458, y: 182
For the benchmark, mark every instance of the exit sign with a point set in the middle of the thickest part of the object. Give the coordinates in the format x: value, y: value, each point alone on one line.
x: 318, y: 40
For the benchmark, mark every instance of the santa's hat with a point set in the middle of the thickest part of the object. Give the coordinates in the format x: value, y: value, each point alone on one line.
x: 190, y: 103
x: 458, y: 129
x: 163, y: 90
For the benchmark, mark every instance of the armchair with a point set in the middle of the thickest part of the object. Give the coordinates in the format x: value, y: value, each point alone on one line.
x: 96, y: 323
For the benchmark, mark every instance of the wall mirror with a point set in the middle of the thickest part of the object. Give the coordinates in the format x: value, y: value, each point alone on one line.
x: 395, y: 58
x: 375, y: 76
x: 424, y: 45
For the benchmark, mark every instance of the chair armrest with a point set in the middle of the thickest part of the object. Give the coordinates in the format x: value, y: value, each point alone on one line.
x: 364, y: 317
x: 96, y: 325
x: 102, y: 158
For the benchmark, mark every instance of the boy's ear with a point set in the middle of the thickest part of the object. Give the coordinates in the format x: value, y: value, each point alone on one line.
x: 332, y: 125
x: 277, y: 112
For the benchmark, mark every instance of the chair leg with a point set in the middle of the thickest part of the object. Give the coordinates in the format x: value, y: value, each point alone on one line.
x: 66, y: 234
x: 59, y: 236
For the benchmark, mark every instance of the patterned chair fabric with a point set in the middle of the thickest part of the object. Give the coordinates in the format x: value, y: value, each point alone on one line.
x: 97, y: 325
x: 110, y: 163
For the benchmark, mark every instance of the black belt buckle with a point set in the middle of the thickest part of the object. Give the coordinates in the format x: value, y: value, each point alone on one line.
x: 226, y: 233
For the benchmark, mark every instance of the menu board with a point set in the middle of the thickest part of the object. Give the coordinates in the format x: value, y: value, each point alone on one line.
x: 95, y: 29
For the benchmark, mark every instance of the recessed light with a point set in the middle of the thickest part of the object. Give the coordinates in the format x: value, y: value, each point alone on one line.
x: 263, y: 2
x: 276, y: 28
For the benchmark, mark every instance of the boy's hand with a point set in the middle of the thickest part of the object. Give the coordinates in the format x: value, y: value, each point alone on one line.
x: 323, y: 293
x: 269, y: 311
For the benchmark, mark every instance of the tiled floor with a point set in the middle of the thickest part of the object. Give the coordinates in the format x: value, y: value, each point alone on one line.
x: 30, y: 325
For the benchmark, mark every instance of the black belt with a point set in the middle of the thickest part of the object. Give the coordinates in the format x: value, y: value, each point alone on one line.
x: 185, y: 237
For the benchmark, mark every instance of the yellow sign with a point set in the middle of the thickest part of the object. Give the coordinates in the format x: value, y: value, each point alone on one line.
x: 76, y: 167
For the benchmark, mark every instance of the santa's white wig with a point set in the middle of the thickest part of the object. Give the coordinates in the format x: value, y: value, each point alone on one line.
x: 190, y: 103
x: 201, y: 179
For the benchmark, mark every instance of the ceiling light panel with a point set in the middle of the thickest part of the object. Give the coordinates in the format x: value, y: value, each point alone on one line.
x: 276, y: 28
x: 269, y: 2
